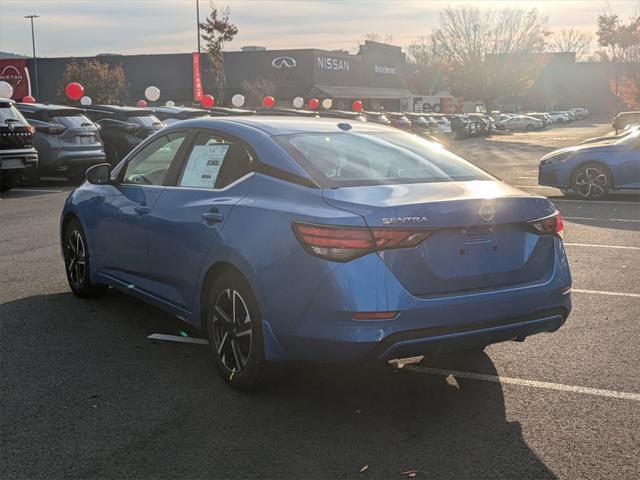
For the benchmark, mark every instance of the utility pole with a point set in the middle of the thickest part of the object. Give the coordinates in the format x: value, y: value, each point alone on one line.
x: 198, y: 23
x: 35, y: 60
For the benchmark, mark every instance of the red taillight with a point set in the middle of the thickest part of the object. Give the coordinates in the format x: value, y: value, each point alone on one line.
x: 551, y: 225
x: 342, y: 244
x: 30, y: 129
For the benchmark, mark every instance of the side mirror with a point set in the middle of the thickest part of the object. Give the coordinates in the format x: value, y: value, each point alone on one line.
x: 99, y: 174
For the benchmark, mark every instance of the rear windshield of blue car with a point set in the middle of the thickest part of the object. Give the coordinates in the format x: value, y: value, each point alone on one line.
x: 350, y: 159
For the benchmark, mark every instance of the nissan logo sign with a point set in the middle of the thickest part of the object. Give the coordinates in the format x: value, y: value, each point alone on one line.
x: 283, y: 62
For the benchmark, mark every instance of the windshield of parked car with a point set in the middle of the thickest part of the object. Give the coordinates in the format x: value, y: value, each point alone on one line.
x: 349, y: 159
x: 10, y: 114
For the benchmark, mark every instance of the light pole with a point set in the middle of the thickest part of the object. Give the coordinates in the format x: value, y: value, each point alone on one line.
x: 198, y: 23
x: 35, y: 60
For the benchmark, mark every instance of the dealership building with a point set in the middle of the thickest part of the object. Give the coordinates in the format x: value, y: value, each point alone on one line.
x: 375, y: 74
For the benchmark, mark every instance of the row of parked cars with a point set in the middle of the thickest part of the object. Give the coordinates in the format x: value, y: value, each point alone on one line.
x: 58, y: 140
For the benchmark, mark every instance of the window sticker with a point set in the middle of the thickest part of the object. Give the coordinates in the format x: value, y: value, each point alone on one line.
x: 203, y: 166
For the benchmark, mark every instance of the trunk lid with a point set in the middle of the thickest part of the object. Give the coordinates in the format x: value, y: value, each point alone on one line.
x: 480, y: 237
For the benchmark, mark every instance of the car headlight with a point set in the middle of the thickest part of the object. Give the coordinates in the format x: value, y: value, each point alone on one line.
x: 559, y: 158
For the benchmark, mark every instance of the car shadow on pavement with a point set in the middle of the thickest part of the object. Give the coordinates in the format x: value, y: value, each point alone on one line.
x: 85, y: 389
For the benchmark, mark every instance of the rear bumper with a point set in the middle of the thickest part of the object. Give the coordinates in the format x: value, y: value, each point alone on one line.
x: 326, y: 332
x: 68, y: 161
x: 17, y: 160
x: 421, y: 342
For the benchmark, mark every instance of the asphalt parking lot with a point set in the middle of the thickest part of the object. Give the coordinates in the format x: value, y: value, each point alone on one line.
x: 84, y: 393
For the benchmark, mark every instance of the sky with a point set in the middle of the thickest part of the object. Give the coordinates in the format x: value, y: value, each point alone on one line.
x: 89, y: 27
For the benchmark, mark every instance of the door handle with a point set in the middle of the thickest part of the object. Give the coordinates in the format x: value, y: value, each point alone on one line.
x: 141, y: 209
x: 213, y: 217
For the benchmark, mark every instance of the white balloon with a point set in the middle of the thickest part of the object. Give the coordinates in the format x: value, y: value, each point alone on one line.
x: 152, y: 93
x: 298, y: 102
x: 327, y: 103
x: 6, y: 90
x: 170, y: 103
x: 237, y: 100
x: 86, y: 100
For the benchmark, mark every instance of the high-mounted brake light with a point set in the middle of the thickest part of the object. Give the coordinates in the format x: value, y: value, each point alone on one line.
x: 342, y: 244
x: 551, y: 225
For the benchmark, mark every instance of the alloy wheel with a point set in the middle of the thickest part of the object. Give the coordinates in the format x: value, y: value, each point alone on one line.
x: 76, y: 258
x: 591, y: 182
x: 231, y: 329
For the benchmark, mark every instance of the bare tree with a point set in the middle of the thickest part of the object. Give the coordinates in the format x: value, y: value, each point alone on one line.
x: 218, y: 30
x: 468, y: 34
x: 570, y: 40
x: 487, y: 54
x: 422, y: 74
x: 258, y: 88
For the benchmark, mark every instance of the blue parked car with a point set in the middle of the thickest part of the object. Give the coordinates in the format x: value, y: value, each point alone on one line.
x: 592, y: 170
x: 295, y: 239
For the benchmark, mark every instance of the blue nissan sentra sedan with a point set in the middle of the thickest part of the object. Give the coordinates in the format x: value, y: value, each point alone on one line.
x: 295, y: 239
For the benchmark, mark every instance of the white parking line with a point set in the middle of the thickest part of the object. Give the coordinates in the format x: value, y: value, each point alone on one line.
x: 178, y: 338
x: 621, y: 247
x: 606, y: 292
x: 603, y: 219
x: 527, y: 383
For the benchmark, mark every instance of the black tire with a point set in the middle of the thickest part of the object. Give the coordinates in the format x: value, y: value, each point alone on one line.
x: 77, y: 261
x: 590, y: 181
x: 7, y: 182
x: 238, y: 355
x: 529, y: 127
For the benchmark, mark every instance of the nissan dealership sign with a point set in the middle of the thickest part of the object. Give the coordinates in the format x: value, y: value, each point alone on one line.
x: 14, y: 71
x: 332, y: 63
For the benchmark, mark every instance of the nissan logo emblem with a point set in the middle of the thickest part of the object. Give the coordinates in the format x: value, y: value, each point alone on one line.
x: 487, y: 212
x: 283, y: 62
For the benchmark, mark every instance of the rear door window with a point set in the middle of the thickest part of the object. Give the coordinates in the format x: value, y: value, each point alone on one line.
x: 215, y: 162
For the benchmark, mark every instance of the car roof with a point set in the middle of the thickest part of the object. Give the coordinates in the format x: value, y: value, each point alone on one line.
x: 288, y: 125
x: 119, y: 109
x: 222, y: 111
x: 44, y: 107
x: 174, y: 110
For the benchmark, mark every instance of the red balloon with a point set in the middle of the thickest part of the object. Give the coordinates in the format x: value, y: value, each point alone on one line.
x: 268, y: 101
x: 356, y: 105
x: 74, y: 91
x: 208, y: 101
x: 141, y: 103
x: 28, y: 99
x: 313, y: 103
